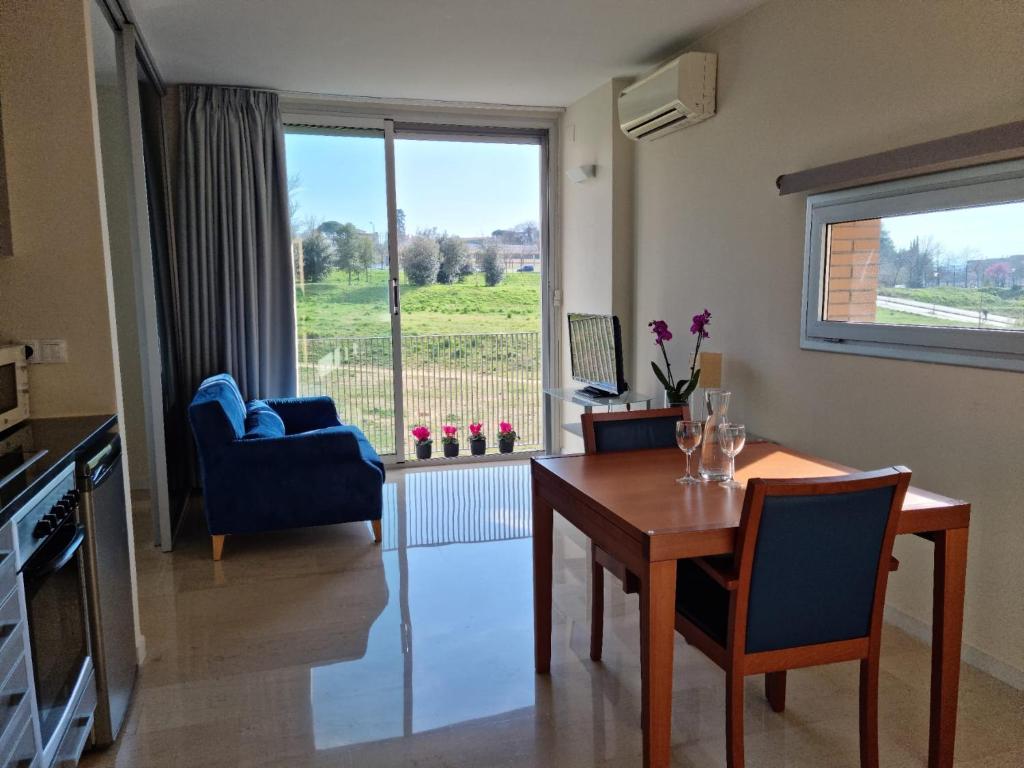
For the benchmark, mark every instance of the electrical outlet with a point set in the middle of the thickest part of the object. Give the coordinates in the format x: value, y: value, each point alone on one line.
x: 52, y: 351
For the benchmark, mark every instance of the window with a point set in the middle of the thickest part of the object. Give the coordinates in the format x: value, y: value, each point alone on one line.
x: 930, y: 268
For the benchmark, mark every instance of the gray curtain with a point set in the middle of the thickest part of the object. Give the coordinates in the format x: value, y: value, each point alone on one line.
x: 233, y: 267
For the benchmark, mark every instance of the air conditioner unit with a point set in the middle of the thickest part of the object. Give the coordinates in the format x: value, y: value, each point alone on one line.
x: 674, y: 96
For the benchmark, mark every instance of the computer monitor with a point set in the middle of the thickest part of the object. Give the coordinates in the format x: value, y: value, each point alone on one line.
x: 595, y: 352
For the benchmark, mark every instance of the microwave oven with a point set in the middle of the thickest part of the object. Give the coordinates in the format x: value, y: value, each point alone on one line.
x: 13, y: 385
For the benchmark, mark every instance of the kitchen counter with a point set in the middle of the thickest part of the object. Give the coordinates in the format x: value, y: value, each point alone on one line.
x: 62, y: 439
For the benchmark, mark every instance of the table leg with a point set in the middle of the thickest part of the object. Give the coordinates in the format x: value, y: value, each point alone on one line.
x: 542, y: 539
x: 657, y: 639
x: 947, y: 627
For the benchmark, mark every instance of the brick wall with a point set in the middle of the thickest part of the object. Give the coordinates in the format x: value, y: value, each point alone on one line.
x: 852, y: 277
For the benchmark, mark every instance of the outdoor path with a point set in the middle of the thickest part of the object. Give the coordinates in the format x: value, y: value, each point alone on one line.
x: 946, y: 313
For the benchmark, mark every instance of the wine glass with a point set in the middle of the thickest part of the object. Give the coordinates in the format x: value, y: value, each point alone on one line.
x: 688, y: 437
x: 732, y: 438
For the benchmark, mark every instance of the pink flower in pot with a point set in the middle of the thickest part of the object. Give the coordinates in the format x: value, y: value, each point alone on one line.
x: 506, y: 437
x: 421, y: 435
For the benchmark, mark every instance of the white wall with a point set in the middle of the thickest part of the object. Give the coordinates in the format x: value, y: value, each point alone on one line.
x: 597, y: 223
x: 807, y: 82
x: 55, y: 285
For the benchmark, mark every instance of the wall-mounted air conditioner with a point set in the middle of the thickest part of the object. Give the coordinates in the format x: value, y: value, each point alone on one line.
x: 674, y: 96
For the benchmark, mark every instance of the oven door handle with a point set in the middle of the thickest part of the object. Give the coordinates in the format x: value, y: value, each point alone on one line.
x: 39, y: 570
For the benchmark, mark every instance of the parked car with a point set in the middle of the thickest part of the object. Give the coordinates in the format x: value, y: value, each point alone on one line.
x: 525, y: 268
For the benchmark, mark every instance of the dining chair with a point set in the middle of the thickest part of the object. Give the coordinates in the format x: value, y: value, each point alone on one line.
x: 805, y: 587
x: 622, y: 431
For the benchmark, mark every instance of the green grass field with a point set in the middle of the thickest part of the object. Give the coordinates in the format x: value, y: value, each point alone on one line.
x: 336, y: 308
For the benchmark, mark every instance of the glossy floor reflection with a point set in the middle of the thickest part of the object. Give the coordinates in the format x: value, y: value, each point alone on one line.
x: 318, y: 648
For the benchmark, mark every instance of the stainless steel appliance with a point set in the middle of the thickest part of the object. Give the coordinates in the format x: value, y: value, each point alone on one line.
x: 108, y: 584
x: 13, y: 385
x: 49, y: 546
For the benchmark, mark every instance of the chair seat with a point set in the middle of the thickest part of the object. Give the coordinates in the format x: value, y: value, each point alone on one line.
x: 701, y: 600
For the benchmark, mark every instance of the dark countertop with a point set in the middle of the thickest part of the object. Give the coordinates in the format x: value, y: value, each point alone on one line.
x: 63, y: 439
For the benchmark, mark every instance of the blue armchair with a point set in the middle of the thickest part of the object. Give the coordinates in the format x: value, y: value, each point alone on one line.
x: 274, y: 464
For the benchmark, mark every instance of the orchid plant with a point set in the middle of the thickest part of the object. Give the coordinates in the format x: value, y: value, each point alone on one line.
x: 476, y: 431
x: 451, y: 434
x: 506, y: 432
x: 421, y: 435
x: 679, y: 391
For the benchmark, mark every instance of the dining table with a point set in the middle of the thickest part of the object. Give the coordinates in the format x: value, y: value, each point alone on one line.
x: 630, y: 506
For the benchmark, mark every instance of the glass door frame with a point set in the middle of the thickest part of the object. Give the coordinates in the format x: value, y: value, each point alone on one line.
x: 385, y: 130
x: 425, y: 123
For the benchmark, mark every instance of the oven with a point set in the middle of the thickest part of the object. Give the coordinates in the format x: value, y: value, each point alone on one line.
x: 50, y: 547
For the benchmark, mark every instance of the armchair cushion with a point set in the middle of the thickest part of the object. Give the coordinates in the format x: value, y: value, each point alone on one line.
x: 262, y: 421
x: 303, y: 414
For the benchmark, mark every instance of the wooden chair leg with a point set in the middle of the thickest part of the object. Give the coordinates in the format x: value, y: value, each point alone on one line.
x: 218, y: 545
x: 596, y: 606
x: 733, y: 719
x: 775, y: 690
x: 375, y: 524
x: 869, y: 712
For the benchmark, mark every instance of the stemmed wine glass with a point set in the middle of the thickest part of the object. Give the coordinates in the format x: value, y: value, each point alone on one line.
x: 688, y: 437
x: 732, y: 438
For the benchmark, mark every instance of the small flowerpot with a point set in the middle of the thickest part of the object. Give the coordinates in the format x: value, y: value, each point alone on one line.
x: 506, y: 446
x: 423, y: 450
x: 451, y: 450
x: 478, y: 447
x: 673, y: 402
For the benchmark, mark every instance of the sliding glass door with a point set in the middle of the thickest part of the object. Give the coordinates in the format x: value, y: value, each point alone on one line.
x: 418, y: 270
x: 344, y: 297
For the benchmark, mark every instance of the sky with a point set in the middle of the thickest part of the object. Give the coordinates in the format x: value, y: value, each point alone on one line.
x: 991, y: 230
x: 460, y: 187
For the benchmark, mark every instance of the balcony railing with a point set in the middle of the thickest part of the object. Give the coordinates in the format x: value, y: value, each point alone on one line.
x: 447, y: 379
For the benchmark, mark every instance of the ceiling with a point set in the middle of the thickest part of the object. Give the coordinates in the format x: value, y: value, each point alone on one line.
x: 535, y: 52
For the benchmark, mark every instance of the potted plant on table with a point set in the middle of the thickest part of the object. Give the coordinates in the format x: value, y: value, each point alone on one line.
x: 477, y: 439
x: 677, y: 393
x: 423, y: 442
x: 450, y: 441
x: 506, y: 437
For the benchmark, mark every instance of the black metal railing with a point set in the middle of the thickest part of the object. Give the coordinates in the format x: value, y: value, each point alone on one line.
x: 447, y: 379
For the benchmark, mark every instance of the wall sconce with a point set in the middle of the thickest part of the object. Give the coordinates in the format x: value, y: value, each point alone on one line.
x: 581, y: 173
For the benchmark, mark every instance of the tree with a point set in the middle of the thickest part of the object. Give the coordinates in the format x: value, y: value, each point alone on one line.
x: 294, y: 185
x: 400, y: 215
x: 527, y: 233
x: 347, y: 249
x: 330, y: 228
x: 420, y: 260
x: 365, y: 254
x: 454, y: 258
x: 316, y: 256
x: 998, y: 273
x: 492, y: 265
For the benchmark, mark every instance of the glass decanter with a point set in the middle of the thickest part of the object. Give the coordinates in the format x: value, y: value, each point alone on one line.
x: 714, y: 464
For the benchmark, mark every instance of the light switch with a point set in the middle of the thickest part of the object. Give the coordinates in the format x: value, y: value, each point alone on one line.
x: 52, y: 351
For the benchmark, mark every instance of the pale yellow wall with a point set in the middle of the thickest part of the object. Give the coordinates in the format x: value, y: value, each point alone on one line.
x: 597, y: 222
x: 55, y: 286
x: 802, y: 83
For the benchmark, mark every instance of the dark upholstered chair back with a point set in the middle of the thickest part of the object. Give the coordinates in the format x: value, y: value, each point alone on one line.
x: 631, y: 430
x: 820, y: 553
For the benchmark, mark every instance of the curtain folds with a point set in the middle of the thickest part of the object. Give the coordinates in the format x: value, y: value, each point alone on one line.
x: 233, y: 270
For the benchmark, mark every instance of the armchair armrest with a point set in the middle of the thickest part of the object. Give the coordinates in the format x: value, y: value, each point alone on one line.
x: 304, y: 414
x: 721, y: 570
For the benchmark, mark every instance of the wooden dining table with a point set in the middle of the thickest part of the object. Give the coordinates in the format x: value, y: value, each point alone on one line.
x: 630, y: 506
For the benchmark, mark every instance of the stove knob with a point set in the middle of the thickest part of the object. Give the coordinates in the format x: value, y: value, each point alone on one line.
x: 43, y: 528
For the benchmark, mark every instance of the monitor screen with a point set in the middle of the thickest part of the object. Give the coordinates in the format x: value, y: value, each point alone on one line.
x: 595, y: 352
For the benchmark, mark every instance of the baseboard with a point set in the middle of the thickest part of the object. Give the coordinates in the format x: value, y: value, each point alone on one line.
x: 977, y: 658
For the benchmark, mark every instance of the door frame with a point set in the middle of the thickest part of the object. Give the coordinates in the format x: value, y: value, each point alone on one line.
x: 451, y: 121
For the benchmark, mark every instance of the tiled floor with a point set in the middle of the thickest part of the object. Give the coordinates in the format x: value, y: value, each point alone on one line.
x: 318, y: 648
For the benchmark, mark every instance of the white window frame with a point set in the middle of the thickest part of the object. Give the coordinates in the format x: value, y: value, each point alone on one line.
x: 975, y: 347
